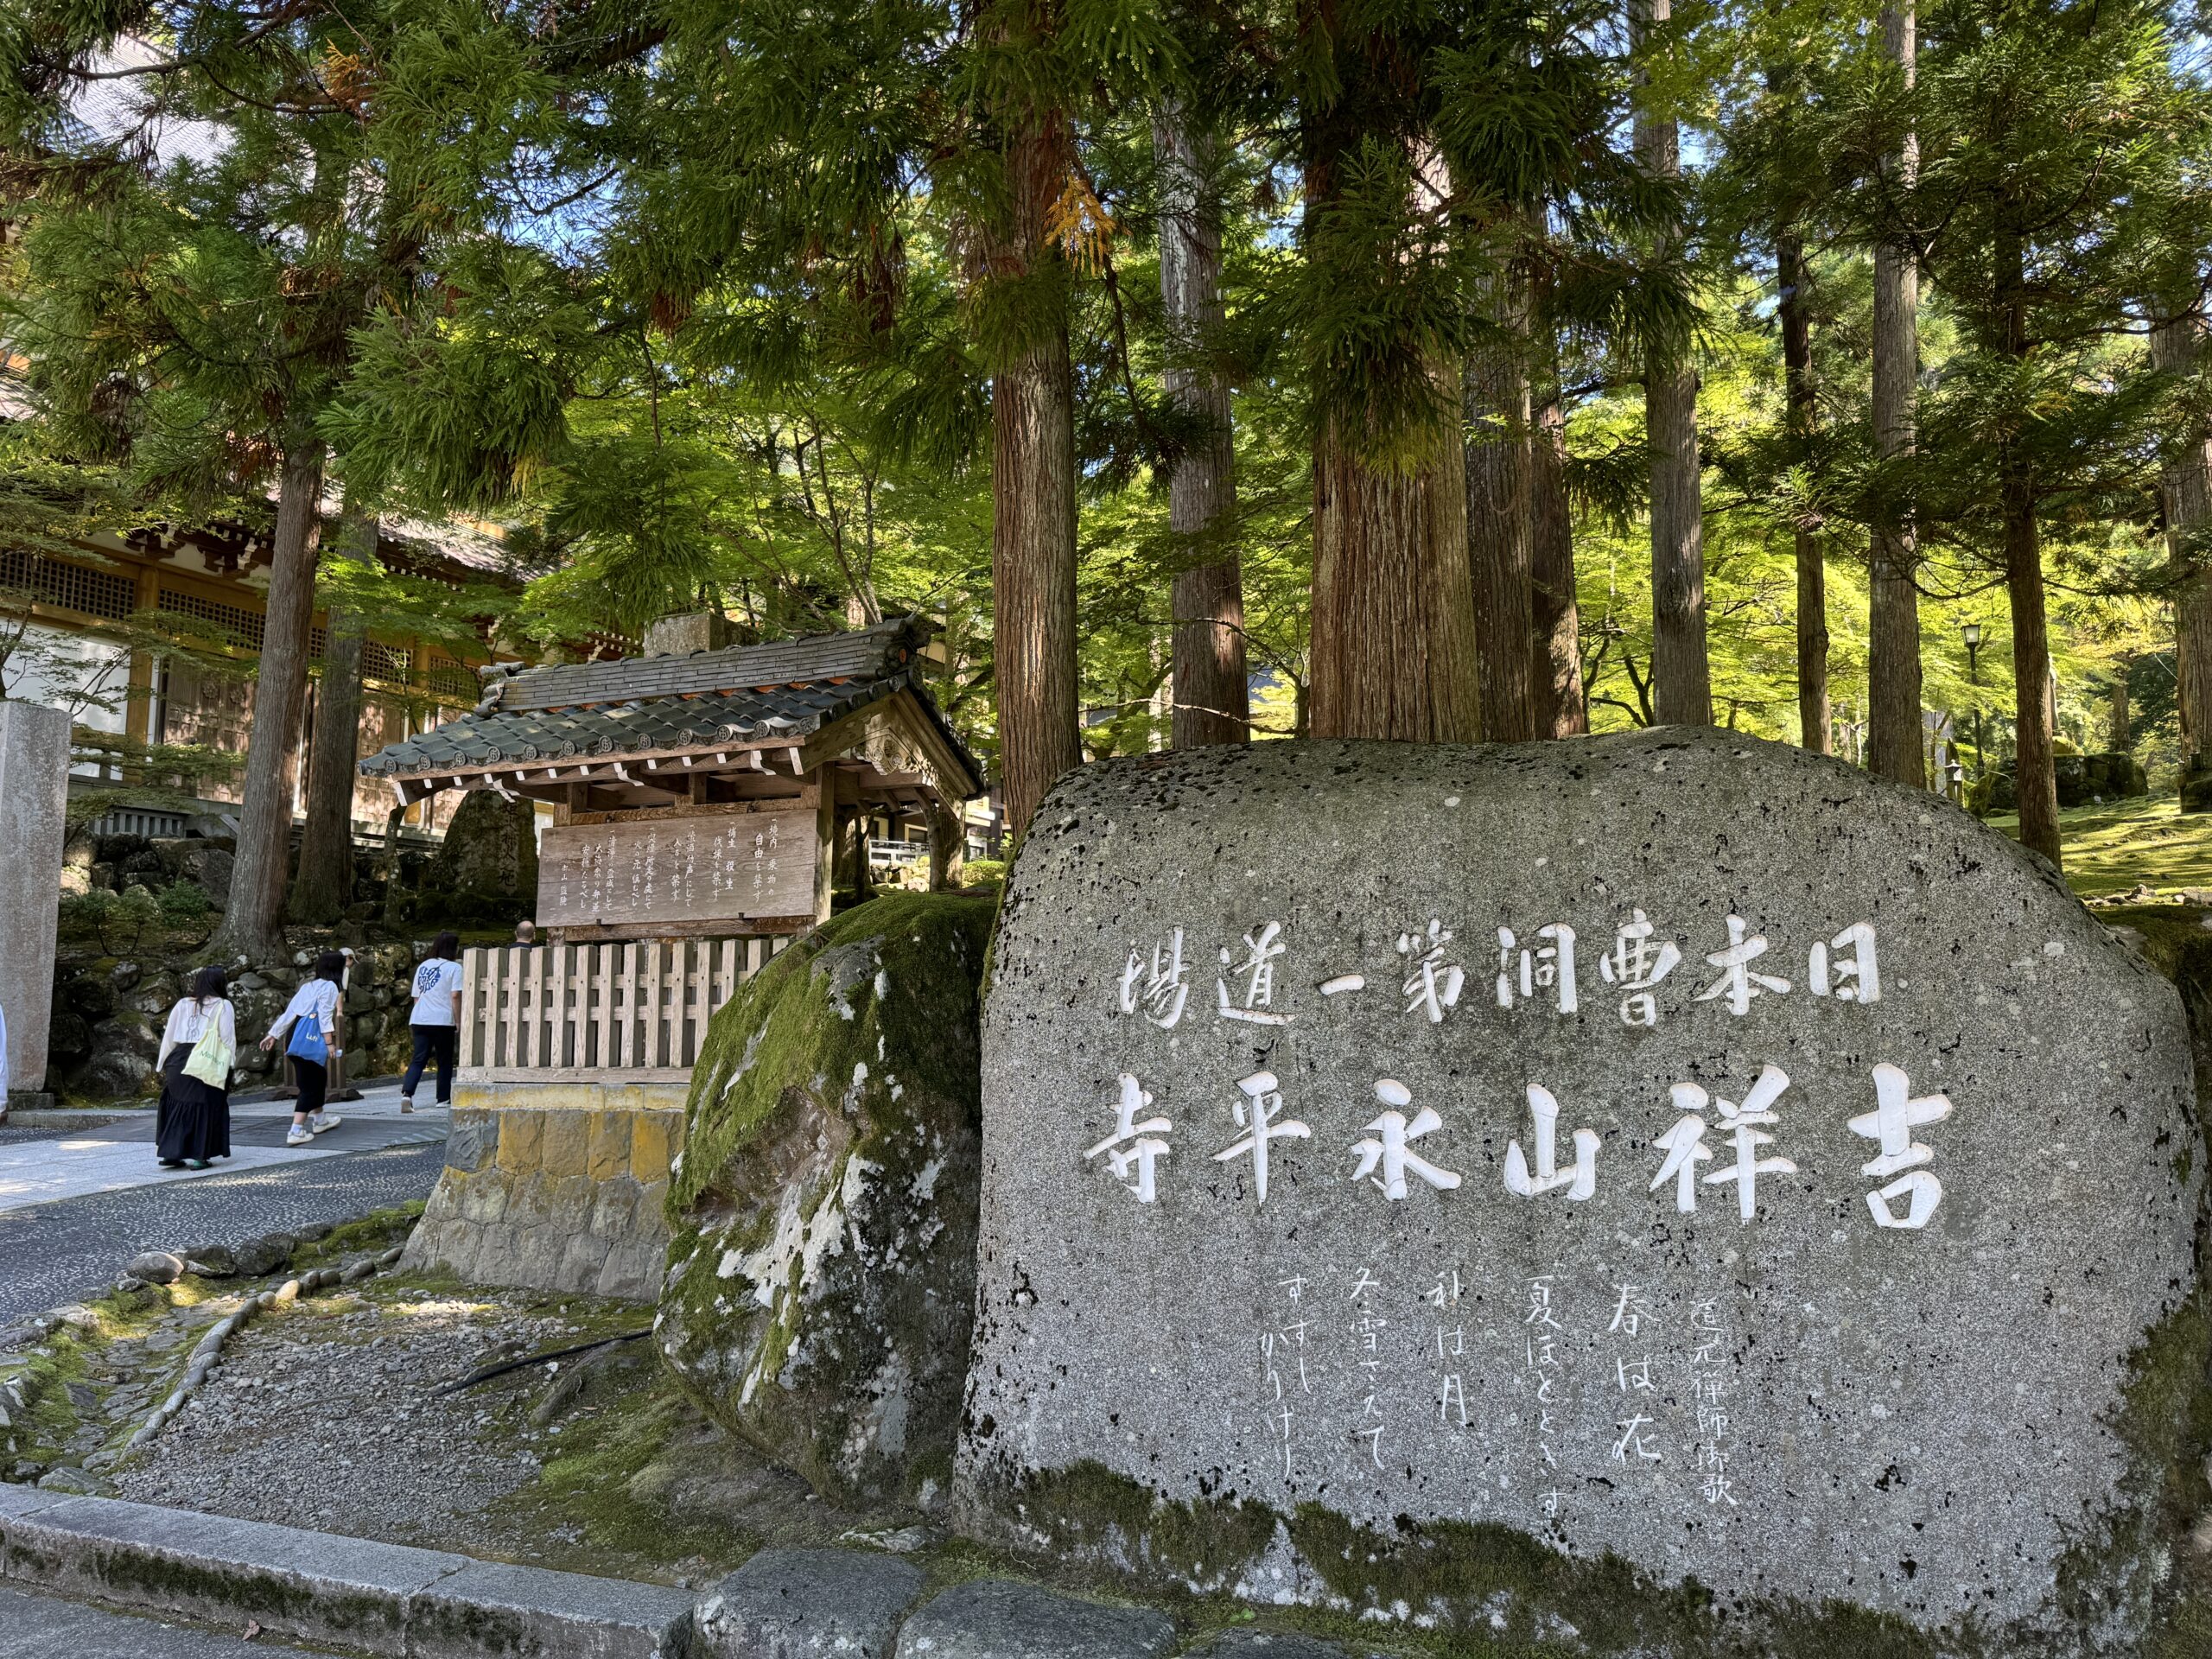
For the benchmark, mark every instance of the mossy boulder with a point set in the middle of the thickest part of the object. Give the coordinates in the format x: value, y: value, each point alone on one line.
x: 486, y: 869
x: 821, y: 1272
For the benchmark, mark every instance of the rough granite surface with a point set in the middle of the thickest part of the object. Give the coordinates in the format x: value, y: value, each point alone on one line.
x: 1818, y: 1275
x: 992, y: 1618
x: 821, y: 1267
x: 807, y: 1603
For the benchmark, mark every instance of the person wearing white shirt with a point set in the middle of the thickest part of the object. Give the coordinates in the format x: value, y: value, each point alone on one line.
x: 435, y: 1023
x: 193, y: 1122
x: 315, y: 1003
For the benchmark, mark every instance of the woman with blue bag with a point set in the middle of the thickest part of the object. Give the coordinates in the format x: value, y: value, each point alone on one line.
x: 198, y: 1045
x: 311, y: 1018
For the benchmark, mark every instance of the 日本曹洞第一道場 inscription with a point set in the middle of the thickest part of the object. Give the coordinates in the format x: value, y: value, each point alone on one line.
x: 1673, y: 1145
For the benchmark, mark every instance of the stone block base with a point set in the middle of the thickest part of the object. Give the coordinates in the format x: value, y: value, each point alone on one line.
x: 555, y: 1186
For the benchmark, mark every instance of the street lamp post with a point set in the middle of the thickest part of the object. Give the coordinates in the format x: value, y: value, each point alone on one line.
x: 1972, y: 635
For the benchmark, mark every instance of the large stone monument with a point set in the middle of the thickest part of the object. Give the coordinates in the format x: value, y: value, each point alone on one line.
x: 1674, y: 1146
x: 34, y: 800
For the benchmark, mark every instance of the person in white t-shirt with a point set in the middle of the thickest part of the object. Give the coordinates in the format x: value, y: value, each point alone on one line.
x: 436, y: 1022
x: 315, y: 1003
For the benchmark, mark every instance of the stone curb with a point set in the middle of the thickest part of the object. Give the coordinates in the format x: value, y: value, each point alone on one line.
x: 210, y: 1346
x: 386, y: 1600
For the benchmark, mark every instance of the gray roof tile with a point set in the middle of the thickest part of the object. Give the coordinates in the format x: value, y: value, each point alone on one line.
x: 755, y: 694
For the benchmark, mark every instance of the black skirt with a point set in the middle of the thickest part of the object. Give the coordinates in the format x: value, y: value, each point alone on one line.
x: 193, y: 1120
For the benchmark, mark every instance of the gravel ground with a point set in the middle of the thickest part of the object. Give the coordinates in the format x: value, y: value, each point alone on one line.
x: 326, y: 1417
x: 56, y: 1252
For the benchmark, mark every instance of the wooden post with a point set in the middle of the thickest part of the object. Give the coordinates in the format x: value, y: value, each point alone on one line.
x: 825, y: 841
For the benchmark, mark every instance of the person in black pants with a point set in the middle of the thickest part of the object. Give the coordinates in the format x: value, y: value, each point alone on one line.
x: 436, y: 1020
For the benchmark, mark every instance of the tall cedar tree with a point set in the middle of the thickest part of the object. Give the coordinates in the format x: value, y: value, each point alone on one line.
x: 191, y: 315
x: 198, y: 289
x: 1453, y: 159
x: 2055, y: 148
x: 2177, y: 350
x: 1893, y: 693
x: 1682, y: 674
x: 776, y: 163
x: 1213, y: 695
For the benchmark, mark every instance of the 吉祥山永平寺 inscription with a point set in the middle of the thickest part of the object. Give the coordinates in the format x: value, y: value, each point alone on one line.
x: 1672, y: 1145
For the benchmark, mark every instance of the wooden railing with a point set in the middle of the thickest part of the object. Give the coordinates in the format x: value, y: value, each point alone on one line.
x: 628, y: 1013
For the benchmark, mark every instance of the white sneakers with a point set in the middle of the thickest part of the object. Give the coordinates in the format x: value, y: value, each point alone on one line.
x: 406, y: 1103
x: 303, y: 1133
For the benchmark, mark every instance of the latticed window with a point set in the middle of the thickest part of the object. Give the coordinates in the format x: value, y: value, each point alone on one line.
x: 451, y: 683
x: 104, y: 594
x: 244, y: 627
x: 389, y: 663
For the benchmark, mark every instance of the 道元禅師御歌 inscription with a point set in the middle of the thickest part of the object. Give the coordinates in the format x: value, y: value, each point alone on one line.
x: 724, y: 866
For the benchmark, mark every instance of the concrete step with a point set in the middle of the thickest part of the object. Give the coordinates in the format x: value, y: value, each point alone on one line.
x: 321, y: 1587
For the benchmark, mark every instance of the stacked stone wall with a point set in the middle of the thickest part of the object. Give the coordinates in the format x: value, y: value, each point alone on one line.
x: 557, y: 1187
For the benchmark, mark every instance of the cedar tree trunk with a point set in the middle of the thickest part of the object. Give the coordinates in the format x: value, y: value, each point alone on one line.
x: 1501, y: 530
x: 324, y: 885
x: 1559, y: 626
x: 1811, y: 565
x: 1212, y: 691
x: 2035, y: 776
x: 1893, y: 737
x: 1033, y: 505
x: 2176, y: 346
x: 1681, y: 677
x: 1393, y: 618
x: 249, y: 925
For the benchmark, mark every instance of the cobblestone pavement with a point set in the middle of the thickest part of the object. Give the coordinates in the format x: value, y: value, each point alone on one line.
x: 39, y: 1627
x: 63, y: 1251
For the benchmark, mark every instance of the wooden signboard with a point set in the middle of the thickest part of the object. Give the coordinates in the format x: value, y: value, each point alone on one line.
x: 710, y: 868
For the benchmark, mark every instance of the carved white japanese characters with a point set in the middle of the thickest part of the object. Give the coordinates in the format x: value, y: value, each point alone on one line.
x: 1636, y: 965
x: 1386, y: 1148
x: 1548, y: 964
x: 1738, y: 983
x: 1259, y: 1112
x: 1581, y: 1180
x: 1163, y: 991
x: 1846, y: 963
x: 1743, y: 1124
x: 1431, y: 985
x: 1897, y: 1114
x: 1684, y: 1145
x: 1135, y: 1145
x: 1252, y: 1001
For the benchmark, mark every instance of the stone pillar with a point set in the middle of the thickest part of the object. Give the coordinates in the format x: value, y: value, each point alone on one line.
x: 34, y: 795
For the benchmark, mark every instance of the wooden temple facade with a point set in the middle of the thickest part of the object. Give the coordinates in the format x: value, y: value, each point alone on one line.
x: 705, y: 799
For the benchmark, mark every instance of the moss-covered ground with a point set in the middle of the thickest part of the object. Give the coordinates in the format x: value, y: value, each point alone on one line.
x: 2148, y: 842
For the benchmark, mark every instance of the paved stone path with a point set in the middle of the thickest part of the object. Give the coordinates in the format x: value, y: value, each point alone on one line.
x: 119, y: 1155
x: 84, y: 1204
x: 37, y: 1627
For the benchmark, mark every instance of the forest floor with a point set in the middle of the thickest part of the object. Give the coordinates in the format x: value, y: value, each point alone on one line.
x: 2148, y: 842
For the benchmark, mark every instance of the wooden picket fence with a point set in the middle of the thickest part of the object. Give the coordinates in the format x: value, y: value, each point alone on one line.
x: 635, y: 1012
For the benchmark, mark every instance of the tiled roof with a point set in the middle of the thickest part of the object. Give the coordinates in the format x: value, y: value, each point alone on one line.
x: 656, y: 705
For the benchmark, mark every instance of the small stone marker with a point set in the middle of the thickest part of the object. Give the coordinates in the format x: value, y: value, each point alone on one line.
x: 1673, y: 1144
x: 33, y: 801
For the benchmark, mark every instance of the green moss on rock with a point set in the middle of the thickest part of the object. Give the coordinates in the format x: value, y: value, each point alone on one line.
x: 822, y: 1264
